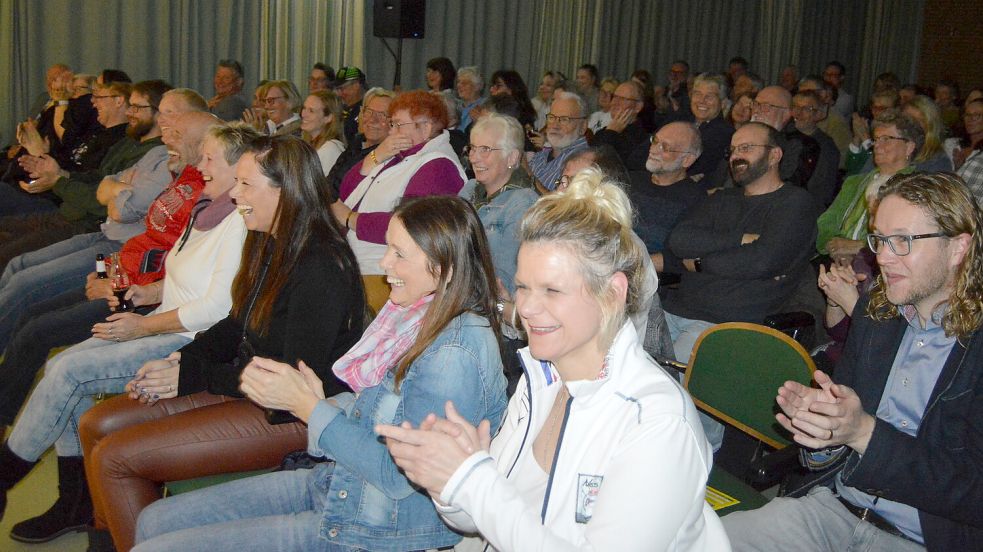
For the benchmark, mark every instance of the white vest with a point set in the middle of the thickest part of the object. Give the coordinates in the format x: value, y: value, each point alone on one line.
x: 383, y: 188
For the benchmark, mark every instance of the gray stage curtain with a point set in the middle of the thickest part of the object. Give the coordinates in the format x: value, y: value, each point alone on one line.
x: 180, y: 40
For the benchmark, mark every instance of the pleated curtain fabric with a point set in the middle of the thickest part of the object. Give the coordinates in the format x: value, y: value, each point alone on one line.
x: 181, y: 40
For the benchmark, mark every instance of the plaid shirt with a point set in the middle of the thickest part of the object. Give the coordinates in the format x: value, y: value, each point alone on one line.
x: 547, y: 170
x: 972, y: 172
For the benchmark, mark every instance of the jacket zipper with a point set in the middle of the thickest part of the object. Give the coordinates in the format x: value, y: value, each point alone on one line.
x: 556, y: 456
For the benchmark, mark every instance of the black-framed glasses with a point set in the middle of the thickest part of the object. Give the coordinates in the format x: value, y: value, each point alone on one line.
x: 141, y: 106
x: 562, y: 119
x: 746, y: 148
x: 479, y: 150
x: 271, y: 100
x: 887, y: 138
x: 899, y: 244
x: 661, y: 147
x: 623, y: 98
x: 102, y: 96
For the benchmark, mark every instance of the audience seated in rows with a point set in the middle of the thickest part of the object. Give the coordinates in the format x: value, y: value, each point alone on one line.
x: 843, y: 227
x: 193, y: 296
x: 88, y: 197
x: 882, y: 431
x: 434, y: 343
x: 279, y: 311
x: 416, y: 159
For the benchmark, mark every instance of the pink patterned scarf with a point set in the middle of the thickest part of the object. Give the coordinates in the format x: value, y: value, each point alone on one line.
x: 386, y: 339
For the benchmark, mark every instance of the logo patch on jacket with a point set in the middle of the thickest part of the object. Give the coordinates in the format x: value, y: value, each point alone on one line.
x: 587, y: 488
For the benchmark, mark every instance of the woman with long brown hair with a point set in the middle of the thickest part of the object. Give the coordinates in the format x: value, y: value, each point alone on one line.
x: 297, y: 297
x: 434, y: 341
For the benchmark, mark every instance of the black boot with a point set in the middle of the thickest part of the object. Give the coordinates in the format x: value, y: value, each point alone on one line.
x: 12, y: 469
x: 100, y: 541
x: 71, y: 512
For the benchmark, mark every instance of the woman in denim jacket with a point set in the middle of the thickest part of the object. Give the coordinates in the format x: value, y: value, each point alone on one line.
x: 436, y: 340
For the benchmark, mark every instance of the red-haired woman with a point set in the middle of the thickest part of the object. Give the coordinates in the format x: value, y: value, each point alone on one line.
x: 416, y: 159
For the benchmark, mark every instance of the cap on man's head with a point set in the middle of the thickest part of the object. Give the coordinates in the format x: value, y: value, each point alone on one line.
x: 349, y: 74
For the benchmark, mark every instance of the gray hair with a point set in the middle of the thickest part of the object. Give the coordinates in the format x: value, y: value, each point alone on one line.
x: 907, y: 127
x: 471, y: 73
x: 512, y: 138
x: 581, y: 103
x: 715, y: 79
x: 377, y: 92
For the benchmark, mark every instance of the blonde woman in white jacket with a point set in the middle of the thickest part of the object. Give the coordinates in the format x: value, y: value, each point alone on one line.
x: 600, y: 449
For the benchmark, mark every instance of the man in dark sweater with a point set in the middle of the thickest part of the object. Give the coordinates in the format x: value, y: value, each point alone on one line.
x: 663, y: 193
x: 742, y: 251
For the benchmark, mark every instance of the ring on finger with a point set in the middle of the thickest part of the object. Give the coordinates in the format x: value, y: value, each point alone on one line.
x: 830, y: 438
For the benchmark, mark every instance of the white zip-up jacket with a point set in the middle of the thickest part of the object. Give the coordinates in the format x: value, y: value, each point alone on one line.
x: 630, y: 473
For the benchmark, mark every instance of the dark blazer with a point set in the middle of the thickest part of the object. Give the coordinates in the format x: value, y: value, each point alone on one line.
x: 940, y: 470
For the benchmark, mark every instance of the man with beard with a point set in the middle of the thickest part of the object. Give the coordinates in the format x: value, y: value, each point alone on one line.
x: 743, y: 250
x: 898, y: 432
x: 141, y: 154
x: 663, y: 193
x: 565, y: 126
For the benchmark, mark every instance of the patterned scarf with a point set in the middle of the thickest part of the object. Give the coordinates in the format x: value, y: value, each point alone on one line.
x: 384, y: 342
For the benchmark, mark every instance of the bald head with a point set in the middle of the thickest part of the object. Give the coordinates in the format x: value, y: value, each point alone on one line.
x: 772, y: 106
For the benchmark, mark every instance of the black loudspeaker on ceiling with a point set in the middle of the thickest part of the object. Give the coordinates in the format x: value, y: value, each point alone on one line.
x: 399, y: 18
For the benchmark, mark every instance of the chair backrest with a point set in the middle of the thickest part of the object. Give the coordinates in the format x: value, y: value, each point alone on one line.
x: 735, y: 372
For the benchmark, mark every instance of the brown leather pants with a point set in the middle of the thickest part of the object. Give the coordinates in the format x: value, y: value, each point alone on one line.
x: 131, y: 449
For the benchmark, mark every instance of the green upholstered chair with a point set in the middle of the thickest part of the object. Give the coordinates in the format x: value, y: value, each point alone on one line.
x: 734, y: 374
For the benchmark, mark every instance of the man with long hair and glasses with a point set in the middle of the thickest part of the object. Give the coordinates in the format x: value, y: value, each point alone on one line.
x: 898, y: 434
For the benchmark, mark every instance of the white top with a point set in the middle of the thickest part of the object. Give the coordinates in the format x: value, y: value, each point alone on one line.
x: 630, y: 475
x: 598, y: 120
x: 328, y: 153
x: 382, y: 189
x: 198, y: 281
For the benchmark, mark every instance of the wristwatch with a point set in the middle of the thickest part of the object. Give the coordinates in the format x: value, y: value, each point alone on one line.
x: 698, y: 265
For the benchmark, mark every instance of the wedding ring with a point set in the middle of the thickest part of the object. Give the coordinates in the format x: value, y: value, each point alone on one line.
x: 830, y: 438
x: 116, y: 338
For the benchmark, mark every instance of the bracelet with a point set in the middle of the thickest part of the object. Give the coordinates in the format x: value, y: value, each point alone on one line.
x: 348, y: 219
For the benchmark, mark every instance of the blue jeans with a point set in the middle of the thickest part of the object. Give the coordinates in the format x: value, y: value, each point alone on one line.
x: 46, y: 273
x: 66, y: 391
x: 62, y: 320
x: 684, y: 332
x: 276, y: 511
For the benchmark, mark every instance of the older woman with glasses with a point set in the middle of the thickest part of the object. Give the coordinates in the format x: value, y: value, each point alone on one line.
x: 281, y: 102
x: 843, y: 227
x: 416, y: 159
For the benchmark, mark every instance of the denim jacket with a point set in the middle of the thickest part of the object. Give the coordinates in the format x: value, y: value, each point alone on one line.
x: 501, y: 215
x: 368, y: 502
